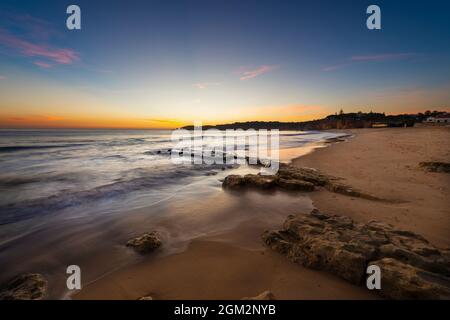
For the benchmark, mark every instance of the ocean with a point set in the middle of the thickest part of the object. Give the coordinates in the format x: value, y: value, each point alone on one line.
x: 62, y: 190
x: 46, y: 171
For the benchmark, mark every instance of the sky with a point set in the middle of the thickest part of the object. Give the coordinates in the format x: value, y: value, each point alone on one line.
x: 163, y: 64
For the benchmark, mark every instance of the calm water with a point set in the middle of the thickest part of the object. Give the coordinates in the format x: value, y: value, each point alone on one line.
x: 70, y: 197
x: 45, y: 171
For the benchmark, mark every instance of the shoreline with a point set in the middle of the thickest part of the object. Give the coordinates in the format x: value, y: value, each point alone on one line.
x: 212, y: 245
x: 199, y: 273
x: 237, y: 247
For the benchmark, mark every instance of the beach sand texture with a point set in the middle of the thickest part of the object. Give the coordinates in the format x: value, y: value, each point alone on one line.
x: 235, y: 264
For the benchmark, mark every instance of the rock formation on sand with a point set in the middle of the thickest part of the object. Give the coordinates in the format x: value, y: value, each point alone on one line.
x: 434, y: 166
x: 411, y: 268
x: 266, y: 295
x: 145, y: 243
x: 292, y: 178
x: 29, y: 286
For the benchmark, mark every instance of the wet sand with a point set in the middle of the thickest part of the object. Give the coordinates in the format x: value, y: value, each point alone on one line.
x: 233, y: 264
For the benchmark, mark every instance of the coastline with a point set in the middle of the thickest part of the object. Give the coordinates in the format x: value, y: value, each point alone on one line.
x: 251, y: 267
x: 232, y: 263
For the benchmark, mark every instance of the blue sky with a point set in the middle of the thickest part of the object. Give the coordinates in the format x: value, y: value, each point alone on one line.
x: 164, y: 63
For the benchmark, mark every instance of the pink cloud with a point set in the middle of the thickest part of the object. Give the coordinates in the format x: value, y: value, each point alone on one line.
x: 3, y: 78
x: 26, y: 48
x: 383, y: 57
x: 42, y: 64
x: 246, y: 74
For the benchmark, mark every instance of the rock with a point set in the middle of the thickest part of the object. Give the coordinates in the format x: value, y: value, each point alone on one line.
x: 30, y: 286
x: 233, y: 182
x: 292, y: 178
x: 434, y: 166
x: 146, y: 298
x: 340, y: 246
x: 347, y: 191
x: 266, y: 295
x: 403, y: 281
x: 260, y: 181
x: 306, y: 174
x: 296, y: 185
x: 145, y: 243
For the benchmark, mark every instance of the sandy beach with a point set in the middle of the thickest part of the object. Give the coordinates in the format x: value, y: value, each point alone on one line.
x: 385, y: 163
x: 234, y: 264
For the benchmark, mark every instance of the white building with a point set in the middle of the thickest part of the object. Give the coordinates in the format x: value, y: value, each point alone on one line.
x: 441, y: 118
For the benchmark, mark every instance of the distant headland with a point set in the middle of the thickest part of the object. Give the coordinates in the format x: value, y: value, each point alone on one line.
x: 339, y: 120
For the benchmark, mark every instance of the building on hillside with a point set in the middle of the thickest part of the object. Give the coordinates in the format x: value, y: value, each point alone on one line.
x: 439, y: 119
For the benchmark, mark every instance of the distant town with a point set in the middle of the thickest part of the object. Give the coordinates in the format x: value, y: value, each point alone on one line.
x: 342, y: 120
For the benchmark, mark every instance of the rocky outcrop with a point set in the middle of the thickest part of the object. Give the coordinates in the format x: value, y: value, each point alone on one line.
x: 266, y: 295
x: 262, y: 182
x: 410, y: 266
x: 434, y: 166
x: 29, y: 286
x: 148, y: 242
x: 403, y: 281
x: 293, y: 178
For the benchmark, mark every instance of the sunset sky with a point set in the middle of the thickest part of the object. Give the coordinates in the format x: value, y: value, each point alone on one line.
x: 162, y: 64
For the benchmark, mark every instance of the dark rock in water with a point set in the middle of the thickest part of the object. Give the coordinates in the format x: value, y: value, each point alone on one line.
x: 436, y: 166
x: 260, y: 181
x: 266, y: 295
x: 145, y: 243
x: 233, y: 182
x: 30, y: 286
x: 340, y: 246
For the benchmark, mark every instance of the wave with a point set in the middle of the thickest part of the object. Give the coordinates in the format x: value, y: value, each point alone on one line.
x: 6, y: 149
x: 28, y: 209
x: 6, y: 181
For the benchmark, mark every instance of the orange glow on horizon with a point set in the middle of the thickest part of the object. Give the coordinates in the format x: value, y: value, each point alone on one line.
x: 59, y: 122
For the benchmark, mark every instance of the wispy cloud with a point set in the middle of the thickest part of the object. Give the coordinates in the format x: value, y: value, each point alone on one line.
x: 42, y: 64
x: 204, y: 85
x: 371, y: 58
x: 29, y: 49
x: 384, y: 57
x: 246, y: 73
x: 3, y: 77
